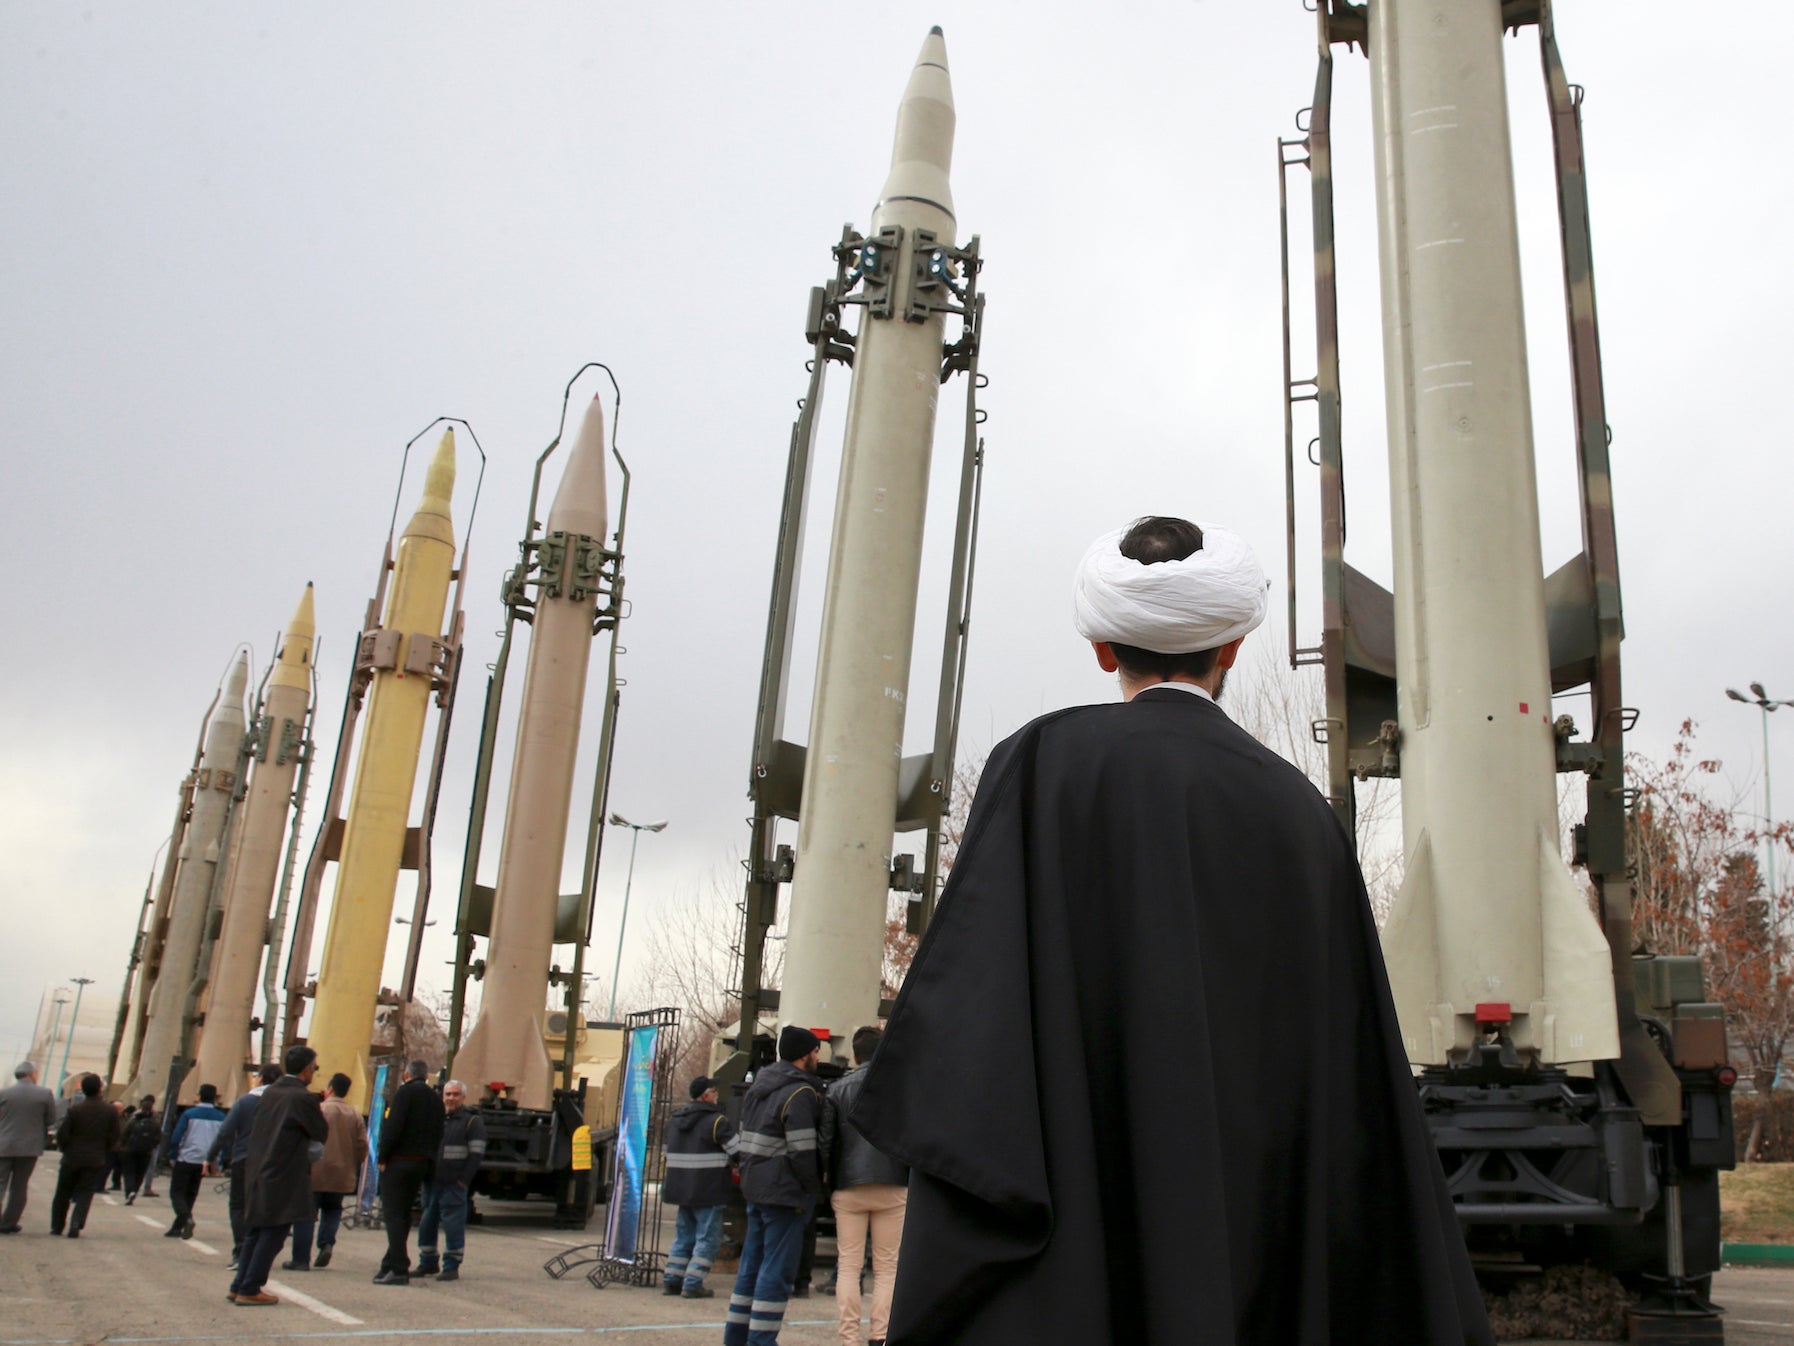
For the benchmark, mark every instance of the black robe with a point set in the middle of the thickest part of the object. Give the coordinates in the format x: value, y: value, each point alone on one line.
x: 287, y: 1120
x: 1145, y: 1068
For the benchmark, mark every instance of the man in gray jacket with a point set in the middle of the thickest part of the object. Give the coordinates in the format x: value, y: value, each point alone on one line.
x: 27, y: 1116
x: 445, y: 1199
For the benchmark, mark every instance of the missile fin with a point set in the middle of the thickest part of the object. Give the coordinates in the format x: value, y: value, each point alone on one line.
x: 1577, y: 1020
x: 1411, y: 954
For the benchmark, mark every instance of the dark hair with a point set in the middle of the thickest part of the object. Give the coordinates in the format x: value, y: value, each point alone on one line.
x: 1151, y: 540
x: 208, y: 1093
x: 417, y: 1070
x: 865, y: 1043
x: 91, y: 1085
x: 148, y: 1100
x: 298, y: 1058
x: 340, y: 1084
x: 271, y: 1072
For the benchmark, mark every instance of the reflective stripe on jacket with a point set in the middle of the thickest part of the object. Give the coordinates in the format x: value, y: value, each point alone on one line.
x: 463, y: 1148
x: 779, y: 1164
x: 701, y: 1145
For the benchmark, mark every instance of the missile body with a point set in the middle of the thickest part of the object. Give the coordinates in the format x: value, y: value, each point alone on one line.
x: 148, y: 954
x: 225, y: 1051
x: 342, y: 1023
x: 1488, y: 914
x: 507, y: 1044
x: 200, y: 855
x: 842, y: 878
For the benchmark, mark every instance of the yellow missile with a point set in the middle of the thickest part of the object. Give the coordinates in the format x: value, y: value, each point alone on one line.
x: 342, y: 1022
x: 224, y: 1053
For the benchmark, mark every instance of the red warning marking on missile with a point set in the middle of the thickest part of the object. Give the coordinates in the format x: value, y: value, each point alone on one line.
x: 1525, y: 709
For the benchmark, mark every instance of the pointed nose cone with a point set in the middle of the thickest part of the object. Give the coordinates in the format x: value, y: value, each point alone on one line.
x: 922, y: 155
x: 439, y: 481
x: 579, y: 502
x: 239, y: 682
x: 292, y: 669
x: 226, y: 730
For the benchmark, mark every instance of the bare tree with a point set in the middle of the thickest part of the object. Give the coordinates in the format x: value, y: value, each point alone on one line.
x: 1279, y: 705
x: 1699, y: 890
x: 694, y: 962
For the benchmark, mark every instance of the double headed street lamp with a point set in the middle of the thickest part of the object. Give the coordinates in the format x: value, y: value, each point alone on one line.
x: 81, y: 984
x: 636, y: 830
x: 1761, y: 700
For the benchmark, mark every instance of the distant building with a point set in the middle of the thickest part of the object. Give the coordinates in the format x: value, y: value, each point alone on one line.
x: 86, y: 1043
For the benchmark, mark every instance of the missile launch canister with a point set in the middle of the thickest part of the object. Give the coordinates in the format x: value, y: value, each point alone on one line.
x: 281, y: 741
x: 214, y: 784
x: 842, y: 876
x: 403, y: 654
x: 1489, y: 927
x: 507, y: 1042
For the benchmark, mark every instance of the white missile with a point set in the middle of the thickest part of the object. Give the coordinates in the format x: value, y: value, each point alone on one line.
x: 507, y: 1044
x: 1489, y: 927
x: 842, y: 877
x: 225, y: 1054
x: 200, y: 856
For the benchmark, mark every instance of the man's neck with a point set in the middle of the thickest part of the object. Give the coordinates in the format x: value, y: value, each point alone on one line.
x: 1130, y: 688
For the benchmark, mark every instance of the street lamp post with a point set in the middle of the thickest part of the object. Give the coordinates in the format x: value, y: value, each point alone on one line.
x: 636, y: 830
x: 81, y: 984
x: 1762, y: 701
x: 59, y: 999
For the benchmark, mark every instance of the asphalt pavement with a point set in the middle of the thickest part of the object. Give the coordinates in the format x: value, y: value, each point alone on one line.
x: 123, y: 1282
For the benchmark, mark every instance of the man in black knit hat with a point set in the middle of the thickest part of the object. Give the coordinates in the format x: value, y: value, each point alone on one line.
x: 781, y: 1178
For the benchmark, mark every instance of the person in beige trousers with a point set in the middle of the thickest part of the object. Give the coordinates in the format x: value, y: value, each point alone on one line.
x: 870, y: 1191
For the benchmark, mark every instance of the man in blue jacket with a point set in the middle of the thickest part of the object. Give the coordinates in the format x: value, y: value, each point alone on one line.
x: 187, y: 1148
x: 781, y: 1177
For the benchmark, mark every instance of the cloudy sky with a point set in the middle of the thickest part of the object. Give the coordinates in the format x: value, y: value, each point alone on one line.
x: 246, y: 252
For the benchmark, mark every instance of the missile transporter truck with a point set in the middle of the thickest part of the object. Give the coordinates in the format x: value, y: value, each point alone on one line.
x: 1577, y: 1088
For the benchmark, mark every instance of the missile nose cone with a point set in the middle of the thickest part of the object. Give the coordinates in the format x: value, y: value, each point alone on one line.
x: 239, y: 681
x: 439, y: 481
x: 935, y: 31
x: 922, y: 154
x: 579, y: 502
x: 295, y: 649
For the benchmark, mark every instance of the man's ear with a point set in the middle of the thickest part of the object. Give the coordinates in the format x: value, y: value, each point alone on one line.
x: 1105, y: 656
x: 1225, y: 656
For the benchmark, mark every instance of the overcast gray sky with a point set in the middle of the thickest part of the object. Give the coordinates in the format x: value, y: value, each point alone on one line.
x: 246, y: 252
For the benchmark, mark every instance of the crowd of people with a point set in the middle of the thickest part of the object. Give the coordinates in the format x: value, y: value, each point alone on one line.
x: 291, y: 1156
x: 795, y: 1150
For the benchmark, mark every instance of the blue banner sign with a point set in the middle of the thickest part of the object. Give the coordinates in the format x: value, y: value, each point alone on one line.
x: 370, y: 1171
x: 621, y: 1224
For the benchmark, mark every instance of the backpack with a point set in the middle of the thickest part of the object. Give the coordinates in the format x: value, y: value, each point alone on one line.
x: 144, y: 1133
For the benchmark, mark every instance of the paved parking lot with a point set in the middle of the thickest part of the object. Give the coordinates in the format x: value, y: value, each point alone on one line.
x: 123, y: 1282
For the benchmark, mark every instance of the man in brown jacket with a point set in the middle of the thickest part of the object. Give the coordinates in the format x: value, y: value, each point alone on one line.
x: 336, y: 1175
x: 286, y: 1139
x: 86, y: 1136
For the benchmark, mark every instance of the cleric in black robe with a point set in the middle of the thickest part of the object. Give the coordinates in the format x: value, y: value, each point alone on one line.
x: 1145, y: 1068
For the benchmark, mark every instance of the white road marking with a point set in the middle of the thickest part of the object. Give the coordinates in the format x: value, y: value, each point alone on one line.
x: 317, y: 1306
x: 108, y: 1200
x: 205, y: 1248
x: 565, y: 1243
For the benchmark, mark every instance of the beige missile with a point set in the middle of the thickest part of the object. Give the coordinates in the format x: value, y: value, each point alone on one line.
x: 506, y: 1045
x: 843, y: 876
x: 199, y: 859
x: 225, y: 1051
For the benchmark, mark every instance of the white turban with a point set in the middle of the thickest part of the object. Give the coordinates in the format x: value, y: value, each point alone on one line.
x: 1215, y: 594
